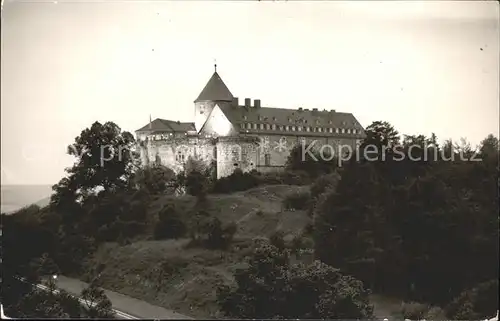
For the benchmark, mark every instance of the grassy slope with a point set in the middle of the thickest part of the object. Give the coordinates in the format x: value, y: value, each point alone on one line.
x: 190, y: 288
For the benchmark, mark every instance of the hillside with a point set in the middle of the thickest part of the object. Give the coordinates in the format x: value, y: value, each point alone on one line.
x: 190, y: 286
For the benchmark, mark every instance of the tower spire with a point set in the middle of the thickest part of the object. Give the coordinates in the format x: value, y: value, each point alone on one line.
x: 215, y: 65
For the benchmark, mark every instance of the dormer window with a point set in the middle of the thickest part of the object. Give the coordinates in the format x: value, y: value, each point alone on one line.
x: 245, y: 117
x: 260, y: 117
x: 330, y: 122
x: 289, y: 120
x: 274, y: 118
x: 317, y: 121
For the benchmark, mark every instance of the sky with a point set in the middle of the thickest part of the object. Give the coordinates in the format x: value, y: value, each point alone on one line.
x: 422, y: 66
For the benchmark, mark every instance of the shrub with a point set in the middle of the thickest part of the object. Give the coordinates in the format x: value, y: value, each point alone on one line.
x: 219, y: 236
x: 237, y: 181
x: 324, y: 183
x: 196, y: 183
x: 414, y: 310
x: 477, y: 303
x: 435, y: 313
x: 273, y: 288
x: 154, y: 179
x: 277, y: 239
x: 297, y: 200
x: 170, y: 224
x: 297, y: 244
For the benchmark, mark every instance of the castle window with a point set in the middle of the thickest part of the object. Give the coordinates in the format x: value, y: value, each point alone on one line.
x: 261, y: 126
x: 354, y: 131
x: 299, y: 128
x: 242, y: 125
x: 293, y: 128
x: 249, y: 126
x: 337, y: 130
x: 281, y: 127
x: 245, y: 117
x: 319, y: 129
x: 331, y: 130
x: 267, y: 159
x: 254, y: 126
x: 180, y: 157
x: 348, y: 130
x: 343, y: 130
x: 287, y: 128
x: 308, y: 129
x: 234, y: 155
x: 273, y: 126
x: 268, y: 126
x: 260, y: 117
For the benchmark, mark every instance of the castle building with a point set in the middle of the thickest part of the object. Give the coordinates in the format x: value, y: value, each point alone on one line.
x: 247, y: 136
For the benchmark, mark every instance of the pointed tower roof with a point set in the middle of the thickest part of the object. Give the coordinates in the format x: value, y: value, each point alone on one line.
x: 215, y: 90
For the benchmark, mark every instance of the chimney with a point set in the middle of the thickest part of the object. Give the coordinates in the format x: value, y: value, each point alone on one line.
x: 300, y: 108
x: 315, y: 109
x: 235, y: 101
x: 248, y: 102
x: 256, y: 103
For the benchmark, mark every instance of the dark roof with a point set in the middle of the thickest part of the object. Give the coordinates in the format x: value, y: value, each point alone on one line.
x: 164, y: 125
x: 290, y: 117
x: 215, y: 90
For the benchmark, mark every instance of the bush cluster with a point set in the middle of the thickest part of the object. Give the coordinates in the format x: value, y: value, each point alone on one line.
x: 170, y: 224
x: 297, y: 200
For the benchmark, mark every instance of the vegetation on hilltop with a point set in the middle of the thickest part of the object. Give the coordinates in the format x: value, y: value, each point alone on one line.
x: 425, y: 231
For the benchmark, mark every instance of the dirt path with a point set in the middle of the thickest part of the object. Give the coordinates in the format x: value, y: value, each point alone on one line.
x: 122, y: 302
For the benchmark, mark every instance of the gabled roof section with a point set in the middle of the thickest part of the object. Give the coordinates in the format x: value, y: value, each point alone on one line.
x: 215, y: 90
x: 284, y: 117
x: 169, y: 126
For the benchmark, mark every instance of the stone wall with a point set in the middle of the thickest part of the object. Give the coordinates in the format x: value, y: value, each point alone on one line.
x: 173, y: 153
x: 237, y: 152
x: 243, y: 152
x: 278, y: 147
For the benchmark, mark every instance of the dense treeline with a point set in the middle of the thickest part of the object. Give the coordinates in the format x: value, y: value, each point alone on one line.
x: 421, y: 230
x: 424, y: 230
